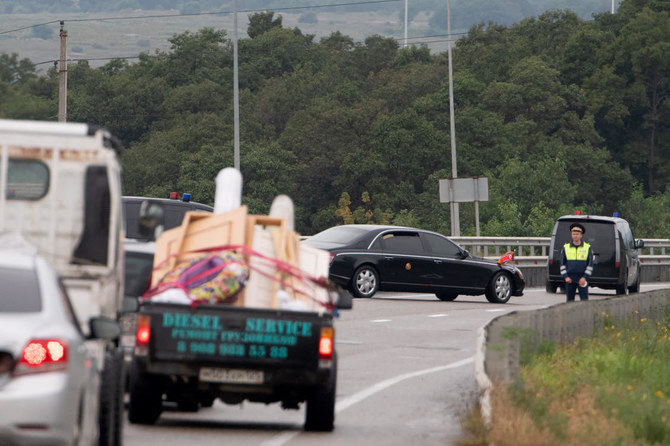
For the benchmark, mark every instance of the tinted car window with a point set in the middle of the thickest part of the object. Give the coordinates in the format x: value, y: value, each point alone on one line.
x: 20, y: 291
x: 402, y: 242
x: 137, y: 273
x: 441, y: 246
x: 627, y: 236
x: 340, y: 234
x: 173, y: 214
x: 599, y: 234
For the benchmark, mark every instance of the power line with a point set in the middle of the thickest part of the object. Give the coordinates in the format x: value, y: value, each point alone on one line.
x: 288, y: 8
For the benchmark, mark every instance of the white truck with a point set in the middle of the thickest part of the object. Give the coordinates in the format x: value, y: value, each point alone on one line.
x: 60, y: 187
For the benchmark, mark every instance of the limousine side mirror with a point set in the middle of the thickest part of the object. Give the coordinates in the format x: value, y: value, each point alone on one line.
x: 639, y: 244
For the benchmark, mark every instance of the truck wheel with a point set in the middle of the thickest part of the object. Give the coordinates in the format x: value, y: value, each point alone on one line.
x: 320, y: 413
x: 146, y: 397
x: 110, y: 415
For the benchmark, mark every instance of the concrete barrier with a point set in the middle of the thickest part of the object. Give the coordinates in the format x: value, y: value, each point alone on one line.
x: 509, y: 338
x: 536, y: 275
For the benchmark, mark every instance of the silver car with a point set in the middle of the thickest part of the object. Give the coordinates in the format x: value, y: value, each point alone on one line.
x: 49, y: 371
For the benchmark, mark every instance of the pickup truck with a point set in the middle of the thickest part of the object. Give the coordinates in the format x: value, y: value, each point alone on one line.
x: 271, y: 341
x: 193, y: 355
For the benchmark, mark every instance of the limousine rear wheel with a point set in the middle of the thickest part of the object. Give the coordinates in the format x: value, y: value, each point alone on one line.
x: 446, y: 296
x: 365, y: 282
x: 500, y: 288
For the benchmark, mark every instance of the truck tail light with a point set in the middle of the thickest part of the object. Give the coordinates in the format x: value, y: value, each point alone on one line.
x: 326, y: 343
x: 143, y: 330
x: 42, y: 355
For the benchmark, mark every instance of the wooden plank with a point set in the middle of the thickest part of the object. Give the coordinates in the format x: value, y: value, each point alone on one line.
x: 198, y: 231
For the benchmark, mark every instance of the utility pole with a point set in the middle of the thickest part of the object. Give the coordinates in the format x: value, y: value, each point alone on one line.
x: 62, y: 76
x: 455, y: 218
x: 405, y: 46
x: 236, y: 91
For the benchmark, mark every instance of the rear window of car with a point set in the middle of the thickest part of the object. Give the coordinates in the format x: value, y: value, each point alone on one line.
x: 340, y: 234
x: 20, y: 291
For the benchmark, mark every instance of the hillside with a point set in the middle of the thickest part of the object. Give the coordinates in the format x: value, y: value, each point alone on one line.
x: 125, y: 33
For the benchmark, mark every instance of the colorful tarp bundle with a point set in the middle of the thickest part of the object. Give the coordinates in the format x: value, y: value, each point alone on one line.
x: 212, y: 277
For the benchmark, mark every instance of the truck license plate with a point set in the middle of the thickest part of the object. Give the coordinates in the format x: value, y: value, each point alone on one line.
x: 238, y: 376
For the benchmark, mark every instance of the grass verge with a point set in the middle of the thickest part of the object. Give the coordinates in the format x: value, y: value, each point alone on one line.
x: 611, y: 389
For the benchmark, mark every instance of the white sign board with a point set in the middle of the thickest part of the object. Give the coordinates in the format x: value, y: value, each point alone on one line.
x: 464, y: 190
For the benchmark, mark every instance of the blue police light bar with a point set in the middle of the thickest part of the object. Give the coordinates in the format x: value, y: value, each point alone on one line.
x: 616, y: 214
x: 186, y: 197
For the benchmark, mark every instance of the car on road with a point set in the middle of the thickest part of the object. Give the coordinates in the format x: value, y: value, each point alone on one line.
x: 616, y: 253
x: 371, y: 258
x: 50, y: 372
x: 139, y: 248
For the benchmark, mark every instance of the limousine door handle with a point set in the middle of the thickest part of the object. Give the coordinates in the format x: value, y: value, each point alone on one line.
x: 437, y: 261
x: 388, y: 258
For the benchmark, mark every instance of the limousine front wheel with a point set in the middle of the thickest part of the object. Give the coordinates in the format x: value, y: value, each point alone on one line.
x: 500, y: 288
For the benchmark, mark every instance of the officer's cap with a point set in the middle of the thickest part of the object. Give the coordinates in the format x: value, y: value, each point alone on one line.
x: 577, y: 227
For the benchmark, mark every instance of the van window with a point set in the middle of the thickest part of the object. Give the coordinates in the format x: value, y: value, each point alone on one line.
x: 600, y: 235
x: 627, y: 236
x: 27, y: 180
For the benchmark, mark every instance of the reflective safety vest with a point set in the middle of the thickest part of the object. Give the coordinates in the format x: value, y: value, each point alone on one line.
x: 577, y: 261
x: 577, y: 252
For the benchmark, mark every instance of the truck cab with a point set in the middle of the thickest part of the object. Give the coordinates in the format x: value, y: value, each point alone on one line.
x: 60, y: 189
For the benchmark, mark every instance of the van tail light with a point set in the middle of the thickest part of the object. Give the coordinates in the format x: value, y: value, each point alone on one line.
x: 332, y: 257
x: 326, y: 342
x: 42, y: 355
x: 551, y: 261
x: 143, y: 333
x: 617, y: 264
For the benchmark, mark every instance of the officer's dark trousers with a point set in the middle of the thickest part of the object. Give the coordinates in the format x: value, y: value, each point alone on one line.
x: 571, y: 288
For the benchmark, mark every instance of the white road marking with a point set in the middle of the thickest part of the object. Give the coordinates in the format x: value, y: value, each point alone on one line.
x: 380, y: 320
x: 438, y: 315
x: 495, y: 310
x: 356, y: 398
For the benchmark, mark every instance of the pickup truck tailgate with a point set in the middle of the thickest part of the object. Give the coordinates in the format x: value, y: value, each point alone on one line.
x: 234, y: 336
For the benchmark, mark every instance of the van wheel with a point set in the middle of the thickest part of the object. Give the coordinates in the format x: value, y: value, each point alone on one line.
x: 551, y: 287
x: 635, y: 288
x: 623, y: 288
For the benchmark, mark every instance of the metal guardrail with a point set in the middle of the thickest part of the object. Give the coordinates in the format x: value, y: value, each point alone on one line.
x: 534, y: 251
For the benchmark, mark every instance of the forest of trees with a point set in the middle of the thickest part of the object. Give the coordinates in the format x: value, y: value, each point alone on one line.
x: 558, y: 112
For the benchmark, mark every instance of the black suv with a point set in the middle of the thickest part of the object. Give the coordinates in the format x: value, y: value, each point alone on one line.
x: 616, y: 261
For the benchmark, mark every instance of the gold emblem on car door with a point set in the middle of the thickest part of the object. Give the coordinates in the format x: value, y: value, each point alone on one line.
x: 408, y: 266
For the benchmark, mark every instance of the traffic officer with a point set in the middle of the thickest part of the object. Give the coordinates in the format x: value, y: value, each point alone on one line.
x: 576, y: 264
